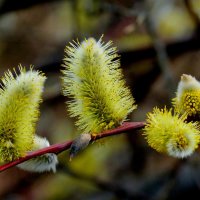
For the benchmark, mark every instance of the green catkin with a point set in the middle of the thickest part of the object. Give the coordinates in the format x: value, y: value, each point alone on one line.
x: 94, y: 81
x: 19, y: 111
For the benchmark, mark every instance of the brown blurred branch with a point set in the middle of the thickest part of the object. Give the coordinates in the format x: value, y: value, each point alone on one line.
x: 193, y: 15
x: 160, y: 49
x: 60, y: 147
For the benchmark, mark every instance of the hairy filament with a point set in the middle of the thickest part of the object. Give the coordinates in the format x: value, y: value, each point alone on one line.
x: 94, y: 81
x: 188, y: 96
x: 169, y: 133
x: 19, y: 111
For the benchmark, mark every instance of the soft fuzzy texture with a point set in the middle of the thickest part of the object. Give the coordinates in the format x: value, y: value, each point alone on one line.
x: 46, y: 162
x: 94, y: 82
x: 188, y: 96
x: 19, y: 111
x: 169, y: 133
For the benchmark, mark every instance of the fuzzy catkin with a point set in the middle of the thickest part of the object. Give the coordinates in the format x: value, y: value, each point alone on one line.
x: 93, y: 80
x: 188, y: 96
x: 169, y: 133
x: 19, y: 111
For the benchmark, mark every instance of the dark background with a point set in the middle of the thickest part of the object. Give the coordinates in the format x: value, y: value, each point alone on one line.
x: 157, y: 41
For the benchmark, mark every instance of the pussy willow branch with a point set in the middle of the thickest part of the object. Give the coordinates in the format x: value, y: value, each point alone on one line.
x: 60, y: 147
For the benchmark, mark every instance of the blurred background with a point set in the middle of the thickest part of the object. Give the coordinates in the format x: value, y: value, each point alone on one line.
x: 158, y: 41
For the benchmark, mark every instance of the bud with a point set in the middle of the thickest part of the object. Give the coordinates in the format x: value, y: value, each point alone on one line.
x: 79, y: 144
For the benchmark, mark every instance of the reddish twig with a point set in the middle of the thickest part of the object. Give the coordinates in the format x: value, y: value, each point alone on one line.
x: 126, y: 126
x: 58, y: 148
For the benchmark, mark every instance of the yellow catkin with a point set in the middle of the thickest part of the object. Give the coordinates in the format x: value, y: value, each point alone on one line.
x: 94, y: 81
x: 169, y: 133
x: 187, y: 98
x: 19, y: 111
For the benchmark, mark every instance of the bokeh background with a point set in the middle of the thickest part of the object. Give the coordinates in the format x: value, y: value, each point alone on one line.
x: 158, y: 40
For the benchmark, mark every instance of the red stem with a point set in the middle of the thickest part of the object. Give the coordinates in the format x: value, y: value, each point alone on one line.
x: 58, y: 148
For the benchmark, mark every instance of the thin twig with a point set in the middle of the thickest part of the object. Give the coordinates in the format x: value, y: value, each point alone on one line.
x: 60, y: 147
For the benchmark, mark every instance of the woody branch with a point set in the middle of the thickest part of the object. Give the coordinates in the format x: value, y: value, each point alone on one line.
x: 60, y: 147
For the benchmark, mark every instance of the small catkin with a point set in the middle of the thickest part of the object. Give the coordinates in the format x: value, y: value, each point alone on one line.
x: 93, y: 80
x: 169, y: 133
x: 187, y: 98
x: 19, y: 111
